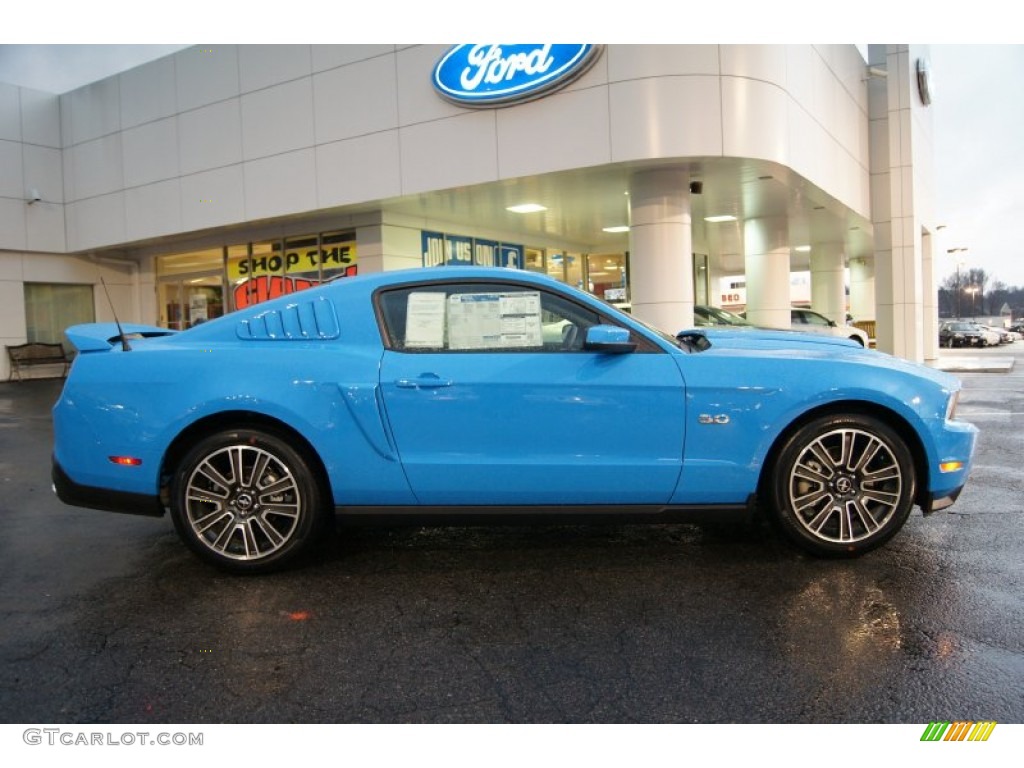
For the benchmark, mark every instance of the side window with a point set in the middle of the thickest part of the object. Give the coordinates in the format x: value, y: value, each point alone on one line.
x: 475, y: 317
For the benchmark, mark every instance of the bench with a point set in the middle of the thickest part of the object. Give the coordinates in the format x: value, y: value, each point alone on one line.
x: 868, y: 326
x: 36, y: 353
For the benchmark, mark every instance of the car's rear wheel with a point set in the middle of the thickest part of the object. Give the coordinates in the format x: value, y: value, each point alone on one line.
x: 843, y: 485
x: 247, y: 501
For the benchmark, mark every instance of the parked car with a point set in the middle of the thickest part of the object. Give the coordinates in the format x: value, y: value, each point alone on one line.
x: 436, y: 396
x: 809, y: 321
x: 815, y: 322
x: 705, y: 316
x: 1003, y: 334
x: 961, y: 333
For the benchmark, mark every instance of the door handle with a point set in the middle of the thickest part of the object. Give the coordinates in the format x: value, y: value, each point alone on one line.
x: 424, y: 381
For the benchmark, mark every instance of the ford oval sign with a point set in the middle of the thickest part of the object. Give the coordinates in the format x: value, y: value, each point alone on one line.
x: 493, y: 74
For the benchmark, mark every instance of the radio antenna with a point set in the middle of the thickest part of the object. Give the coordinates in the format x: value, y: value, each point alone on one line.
x: 120, y: 331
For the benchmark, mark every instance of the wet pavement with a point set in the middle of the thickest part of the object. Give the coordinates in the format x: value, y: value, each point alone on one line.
x: 108, y: 619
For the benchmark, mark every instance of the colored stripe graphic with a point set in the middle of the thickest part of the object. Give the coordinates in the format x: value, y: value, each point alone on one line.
x: 982, y: 731
x: 960, y: 730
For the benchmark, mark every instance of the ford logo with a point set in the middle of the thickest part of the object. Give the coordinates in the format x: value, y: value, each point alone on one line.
x: 485, y: 75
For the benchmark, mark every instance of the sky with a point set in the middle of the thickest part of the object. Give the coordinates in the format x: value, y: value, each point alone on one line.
x: 979, y: 158
x: 977, y: 79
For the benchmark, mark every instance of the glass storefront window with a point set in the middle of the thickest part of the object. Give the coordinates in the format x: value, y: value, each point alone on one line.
x: 52, y: 307
x: 574, y: 270
x: 338, y: 255
x: 302, y: 258
x: 607, y: 276
x: 533, y: 260
x: 556, y: 265
x: 190, y: 263
x: 190, y: 300
x: 191, y: 286
x: 701, y: 279
x: 239, y: 267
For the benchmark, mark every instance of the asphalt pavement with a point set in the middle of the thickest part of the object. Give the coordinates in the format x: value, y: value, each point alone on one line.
x: 108, y: 619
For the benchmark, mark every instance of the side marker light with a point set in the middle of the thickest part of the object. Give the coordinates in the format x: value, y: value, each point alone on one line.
x: 125, y: 461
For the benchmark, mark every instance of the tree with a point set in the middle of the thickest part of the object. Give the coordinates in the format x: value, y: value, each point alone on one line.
x: 964, y: 293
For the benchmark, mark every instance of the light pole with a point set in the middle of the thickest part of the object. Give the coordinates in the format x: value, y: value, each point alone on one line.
x: 959, y: 263
x: 973, y: 290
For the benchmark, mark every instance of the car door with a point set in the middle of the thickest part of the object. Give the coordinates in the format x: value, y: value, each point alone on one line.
x: 493, y: 400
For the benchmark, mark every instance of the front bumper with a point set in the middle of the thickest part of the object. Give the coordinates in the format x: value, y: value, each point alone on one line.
x: 938, y: 502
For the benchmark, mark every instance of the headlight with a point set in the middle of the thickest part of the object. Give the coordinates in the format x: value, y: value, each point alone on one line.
x: 951, y: 405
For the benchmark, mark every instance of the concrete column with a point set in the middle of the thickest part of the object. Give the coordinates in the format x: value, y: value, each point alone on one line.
x: 147, y: 308
x: 384, y: 248
x: 930, y: 299
x: 828, y: 281
x: 661, y: 249
x: 899, y: 157
x: 766, y: 256
x: 862, y: 289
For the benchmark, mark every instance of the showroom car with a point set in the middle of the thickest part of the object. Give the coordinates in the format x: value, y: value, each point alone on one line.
x: 472, y: 395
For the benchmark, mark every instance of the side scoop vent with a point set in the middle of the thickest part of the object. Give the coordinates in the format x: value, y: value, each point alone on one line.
x: 314, y: 320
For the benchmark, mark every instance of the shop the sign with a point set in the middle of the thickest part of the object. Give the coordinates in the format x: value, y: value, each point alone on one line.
x: 491, y: 74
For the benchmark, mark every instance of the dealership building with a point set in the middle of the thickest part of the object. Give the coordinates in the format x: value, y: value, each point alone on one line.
x: 659, y: 177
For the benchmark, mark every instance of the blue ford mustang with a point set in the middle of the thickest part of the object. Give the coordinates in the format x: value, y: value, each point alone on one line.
x: 469, y: 394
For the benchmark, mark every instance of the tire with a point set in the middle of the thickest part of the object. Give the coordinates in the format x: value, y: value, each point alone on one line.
x: 247, y: 502
x: 842, y: 485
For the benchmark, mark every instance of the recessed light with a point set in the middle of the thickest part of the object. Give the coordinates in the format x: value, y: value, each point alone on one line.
x: 526, y: 208
x: 615, y: 229
x: 716, y: 219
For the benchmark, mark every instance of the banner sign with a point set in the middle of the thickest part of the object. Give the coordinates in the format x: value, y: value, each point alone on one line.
x: 440, y: 249
x: 267, y: 275
x: 333, y: 257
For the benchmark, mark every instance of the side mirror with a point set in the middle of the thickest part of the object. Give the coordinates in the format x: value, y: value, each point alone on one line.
x: 609, y: 339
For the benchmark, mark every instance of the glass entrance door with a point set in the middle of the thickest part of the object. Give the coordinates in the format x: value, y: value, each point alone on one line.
x: 189, y: 300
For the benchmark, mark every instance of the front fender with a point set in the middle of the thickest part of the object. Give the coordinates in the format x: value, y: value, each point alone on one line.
x: 735, y: 420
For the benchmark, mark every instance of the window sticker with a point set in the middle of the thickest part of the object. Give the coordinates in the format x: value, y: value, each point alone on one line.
x: 424, y: 320
x: 494, y: 320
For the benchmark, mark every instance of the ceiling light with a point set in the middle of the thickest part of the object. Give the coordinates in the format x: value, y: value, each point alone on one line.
x: 616, y: 229
x: 717, y: 219
x: 802, y: 249
x: 526, y: 208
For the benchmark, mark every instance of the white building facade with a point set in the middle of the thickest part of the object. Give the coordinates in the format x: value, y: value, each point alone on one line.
x: 221, y: 175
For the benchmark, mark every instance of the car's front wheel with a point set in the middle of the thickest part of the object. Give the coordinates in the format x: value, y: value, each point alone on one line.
x: 842, y: 485
x: 247, y: 501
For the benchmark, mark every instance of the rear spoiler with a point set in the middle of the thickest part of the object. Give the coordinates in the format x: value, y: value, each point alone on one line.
x: 102, y: 337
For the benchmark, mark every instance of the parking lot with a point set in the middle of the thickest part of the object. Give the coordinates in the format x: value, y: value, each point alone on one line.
x: 107, y: 618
